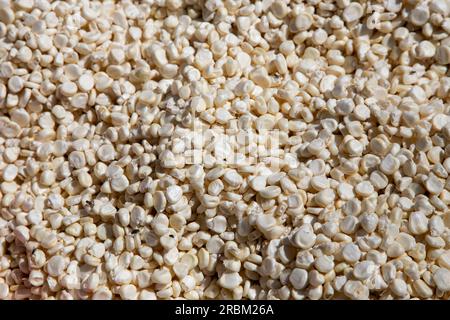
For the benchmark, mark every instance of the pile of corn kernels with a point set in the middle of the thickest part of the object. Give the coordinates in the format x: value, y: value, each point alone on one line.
x: 225, y: 149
